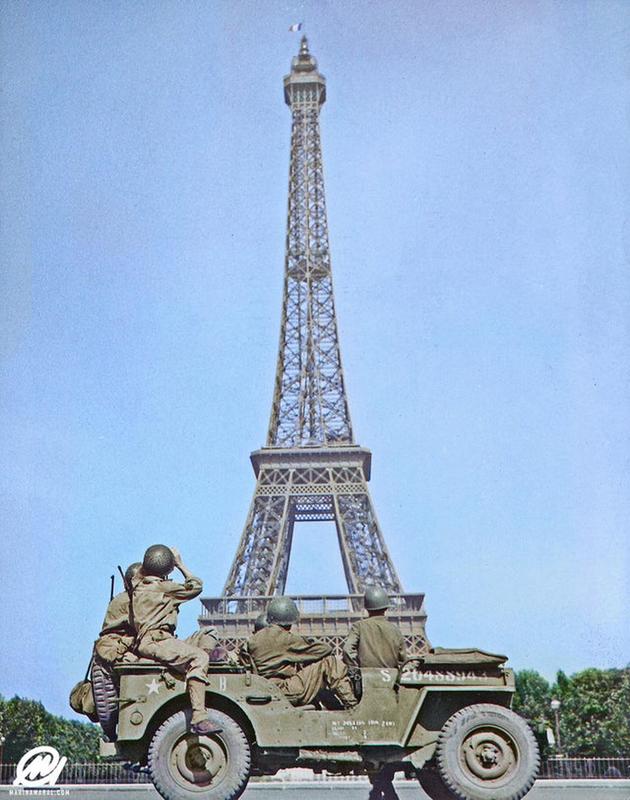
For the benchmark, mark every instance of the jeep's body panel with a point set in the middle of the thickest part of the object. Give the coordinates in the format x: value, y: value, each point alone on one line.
x: 404, y: 712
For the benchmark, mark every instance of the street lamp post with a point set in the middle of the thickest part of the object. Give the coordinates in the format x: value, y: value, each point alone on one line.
x: 2, y: 741
x: 555, y: 707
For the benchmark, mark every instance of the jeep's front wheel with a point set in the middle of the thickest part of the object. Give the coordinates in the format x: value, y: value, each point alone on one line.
x: 187, y: 766
x: 487, y: 752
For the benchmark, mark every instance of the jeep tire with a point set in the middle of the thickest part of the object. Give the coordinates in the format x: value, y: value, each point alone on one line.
x: 487, y: 752
x: 105, y: 695
x: 187, y: 766
x: 433, y: 785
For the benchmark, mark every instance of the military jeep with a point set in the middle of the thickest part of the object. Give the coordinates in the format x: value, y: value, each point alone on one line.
x: 443, y: 719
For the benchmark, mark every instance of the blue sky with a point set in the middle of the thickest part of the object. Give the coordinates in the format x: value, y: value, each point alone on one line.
x: 478, y: 185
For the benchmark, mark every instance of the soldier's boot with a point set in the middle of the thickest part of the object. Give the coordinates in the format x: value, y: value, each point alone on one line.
x: 199, y: 722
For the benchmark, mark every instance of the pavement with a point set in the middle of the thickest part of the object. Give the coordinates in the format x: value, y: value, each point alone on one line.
x: 299, y: 790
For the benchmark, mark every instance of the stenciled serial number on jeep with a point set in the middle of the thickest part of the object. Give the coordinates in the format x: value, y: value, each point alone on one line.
x: 366, y: 728
x: 450, y: 676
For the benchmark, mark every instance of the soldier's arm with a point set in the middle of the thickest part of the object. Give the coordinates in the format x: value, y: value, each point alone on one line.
x: 305, y: 651
x: 402, y: 651
x: 244, y: 656
x: 183, y: 591
x: 192, y: 585
x: 350, y: 651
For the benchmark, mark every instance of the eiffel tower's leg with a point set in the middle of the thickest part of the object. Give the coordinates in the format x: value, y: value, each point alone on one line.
x: 278, y: 579
x: 360, y: 538
x: 259, y: 547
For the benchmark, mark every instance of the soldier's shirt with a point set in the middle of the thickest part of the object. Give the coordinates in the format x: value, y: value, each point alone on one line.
x: 156, y: 602
x: 278, y: 653
x: 374, y: 642
x: 117, y: 615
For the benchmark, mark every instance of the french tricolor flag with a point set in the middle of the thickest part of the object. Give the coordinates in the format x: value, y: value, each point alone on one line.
x: 295, y: 27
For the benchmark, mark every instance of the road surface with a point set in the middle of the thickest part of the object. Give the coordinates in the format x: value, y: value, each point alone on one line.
x: 298, y: 790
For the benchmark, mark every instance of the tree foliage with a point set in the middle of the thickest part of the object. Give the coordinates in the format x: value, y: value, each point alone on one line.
x: 533, y: 696
x: 26, y: 724
x: 593, y: 716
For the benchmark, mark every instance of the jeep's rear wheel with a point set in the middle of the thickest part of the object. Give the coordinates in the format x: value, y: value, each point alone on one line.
x: 487, y: 752
x: 187, y: 766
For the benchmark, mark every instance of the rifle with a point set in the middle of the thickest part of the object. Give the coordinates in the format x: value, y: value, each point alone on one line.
x: 129, y: 590
x: 111, y: 597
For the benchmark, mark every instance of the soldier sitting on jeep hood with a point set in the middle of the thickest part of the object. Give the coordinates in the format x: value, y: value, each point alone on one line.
x: 156, y: 602
x: 117, y: 634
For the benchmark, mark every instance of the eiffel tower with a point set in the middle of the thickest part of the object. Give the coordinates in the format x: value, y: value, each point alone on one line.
x: 310, y: 468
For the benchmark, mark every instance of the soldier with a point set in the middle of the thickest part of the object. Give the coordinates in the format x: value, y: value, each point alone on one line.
x: 299, y: 666
x: 261, y: 622
x: 117, y: 634
x: 243, y: 656
x: 156, y: 602
x: 374, y: 641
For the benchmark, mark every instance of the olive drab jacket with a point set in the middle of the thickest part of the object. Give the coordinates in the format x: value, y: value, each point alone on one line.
x: 277, y: 653
x: 156, y: 603
x: 374, y: 642
x: 117, y: 634
x: 117, y: 615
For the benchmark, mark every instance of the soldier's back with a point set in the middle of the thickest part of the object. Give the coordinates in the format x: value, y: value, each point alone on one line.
x: 117, y: 614
x: 268, y: 648
x: 381, y: 644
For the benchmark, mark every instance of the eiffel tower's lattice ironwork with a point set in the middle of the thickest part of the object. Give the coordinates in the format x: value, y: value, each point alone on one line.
x: 310, y: 469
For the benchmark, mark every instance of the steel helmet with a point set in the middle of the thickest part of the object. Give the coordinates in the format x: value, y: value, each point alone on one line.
x: 131, y: 572
x: 261, y: 622
x: 375, y: 598
x: 158, y: 560
x: 282, y: 611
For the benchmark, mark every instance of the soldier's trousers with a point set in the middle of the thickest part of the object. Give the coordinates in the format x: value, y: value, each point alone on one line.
x: 114, y: 647
x: 178, y: 654
x: 329, y: 673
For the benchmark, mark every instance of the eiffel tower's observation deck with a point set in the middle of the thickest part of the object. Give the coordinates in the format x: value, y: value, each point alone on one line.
x: 310, y: 469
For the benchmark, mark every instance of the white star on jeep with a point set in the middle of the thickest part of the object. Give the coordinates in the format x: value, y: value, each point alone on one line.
x: 153, y: 687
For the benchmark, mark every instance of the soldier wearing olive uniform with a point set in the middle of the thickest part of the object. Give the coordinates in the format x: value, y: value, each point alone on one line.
x: 375, y: 641
x: 243, y: 657
x: 156, y: 602
x: 117, y: 634
x: 115, y: 641
x: 299, y: 666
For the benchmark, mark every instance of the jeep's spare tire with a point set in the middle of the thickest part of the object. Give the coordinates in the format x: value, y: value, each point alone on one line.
x: 105, y: 698
x: 188, y: 766
x: 487, y: 752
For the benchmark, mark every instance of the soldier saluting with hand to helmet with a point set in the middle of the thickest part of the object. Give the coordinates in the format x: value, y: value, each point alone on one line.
x: 155, y: 606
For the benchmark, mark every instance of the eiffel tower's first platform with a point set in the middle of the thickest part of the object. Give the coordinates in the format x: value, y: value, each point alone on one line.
x: 310, y: 469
